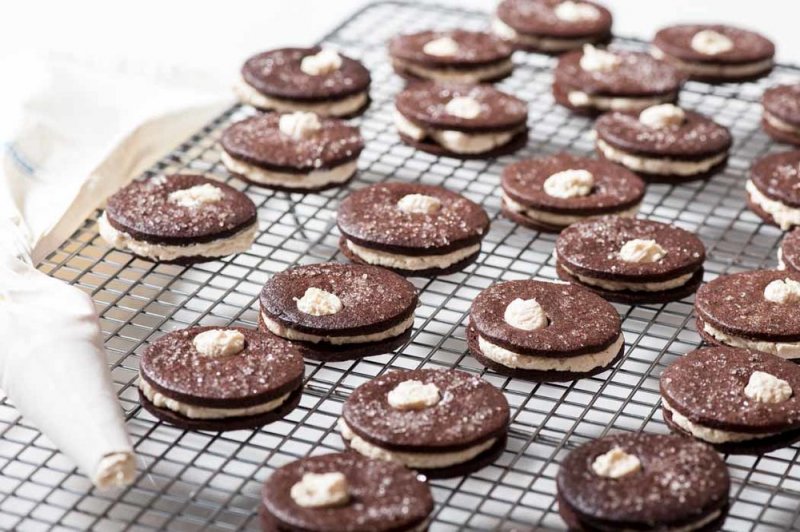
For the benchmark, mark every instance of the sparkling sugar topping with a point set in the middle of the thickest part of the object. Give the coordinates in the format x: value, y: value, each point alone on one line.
x: 441, y: 47
x: 320, y: 490
x: 641, y: 250
x: 525, y: 314
x: 318, y: 302
x: 570, y: 183
x: 767, y: 388
x: 219, y: 343
x: 413, y: 395
x: 323, y: 62
x: 196, y: 196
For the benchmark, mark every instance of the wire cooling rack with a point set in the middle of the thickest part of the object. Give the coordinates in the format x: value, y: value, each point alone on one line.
x: 202, y: 480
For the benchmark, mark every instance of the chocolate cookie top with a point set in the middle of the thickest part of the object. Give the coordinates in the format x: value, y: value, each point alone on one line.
x: 266, y: 369
x: 578, y: 321
x: 735, y: 304
x: 697, y: 137
x: 538, y: 17
x: 470, y: 411
x: 383, y: 496
x: 592, y: 248
x: 144, y: 210
x: 475, y: 48
x: 783, y: 102
x: 373, y: 299
x: 277, y: 73
x: 637, y: 75
x: 748, y: 46
x: 424, y: 103
x: 777, y: 176
x: 720, y: 402
x: 371, y: 217
x: 790, y: 250
x: 680, y: 482
x: 258, y: 140
x: 614, y: 187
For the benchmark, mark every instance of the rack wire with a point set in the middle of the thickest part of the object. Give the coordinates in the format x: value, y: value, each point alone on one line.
x: 204, y: 480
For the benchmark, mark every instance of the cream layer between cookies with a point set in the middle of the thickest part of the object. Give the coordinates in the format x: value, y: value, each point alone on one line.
x: 628, y: 285
x: 787, y: 350
x: 561, y: 220
x: 457, y: 75
x: 455, y: 141
x: 410, y: 262
x: 716, y: 70
x: 783, y: 215
x: 547, y: 44
x: 661, y: 166
x: 291, y: 334
x: 777, y: 123
x: 709, y: 434
x: 332, y: 107
x: 312, y: 180
x: 578, y: 364
x: 616, y: 103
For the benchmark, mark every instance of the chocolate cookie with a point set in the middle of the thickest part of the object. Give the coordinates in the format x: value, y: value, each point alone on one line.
x: 750, y: 406
x: 461, y: 120
x: 643, y: 482
x: 593, y: 80
x: 774, y: 189
x: 345, y: 491
x: 781, y: 118
x: 229, y: 378
x: 179, y: 218
x: 295, y: 152
x: 630, y: 260
x: 552, y: 192
x: 663, y: 143
x: 789, y: 252
x: 715, y: 53
x: 552, y: 26
x: 442, y: 422
x: 410, y: 228
x: 754, y: 310
x: 544, y: 331
x: 452, y: 56
x: 339, y: 311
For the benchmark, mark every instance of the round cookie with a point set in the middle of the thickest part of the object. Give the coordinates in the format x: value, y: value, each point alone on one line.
x: 781, y: 118
x: 631, y: 260
x: 591, y: 80
x: 663, y: 143
x: 179, y: 218
x: 459, y: 56
x: 643, y: 482
x: 444, y: 423
x: 461, y: 120
x: 229, y: 378
x: 789, y: 252
x: 747, y: 310
x: 313, y: 80
x: 335, y: 311
x: 552, y: 26
x: 294, y: 152
x: 549, y: 193
x: 410, y: 228
x: 345, y: 491
x: 773, y: 190
x: 544, y: 331
x: 715, y: 53
x: 751, y: 405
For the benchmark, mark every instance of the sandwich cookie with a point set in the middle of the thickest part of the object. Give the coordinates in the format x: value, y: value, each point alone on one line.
x: 789, y: 252
x: 179, y: 218
x: 549, y: 193
x: 552, y: 26
x: 459, y: 56
x: 314, y: 80
x: 207, y: 378
x: 781, y: 118
x: 461, y: 120
x: 338, y: 311
x: 630, y: 260
x: 715, y: 53
x: 663, y: 143
x: 773, y: 190
x: 444, y: 423
x: 345, y: 491
x: 643, y: 482
x: 754, y: 310
x: 544, y: 331
x: 593, y: 80
x: 750, y: 405
x: 412, y: 229
x: 294, y: 152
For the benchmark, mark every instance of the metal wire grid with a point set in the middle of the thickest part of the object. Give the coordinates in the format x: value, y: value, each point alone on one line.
x: 200, y: 480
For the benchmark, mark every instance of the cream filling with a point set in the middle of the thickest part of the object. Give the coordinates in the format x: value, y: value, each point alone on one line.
x: 314, y: 179
x: 616, y: 286
x: 616, y: 103
x: 409, y: 262
x: 709, y: 434
x: 659, y: 166
x: 547, y: 44
x: 221, y: 247
x: 786, y: 350
x: 580, y: 364
x: 115, y: 470
x: 338, y: 107
x: 460, y: 75
x: 783, y: 215
x: 291, y: 334
x: 781, y: 262
x: 202, y: 412
x: 724, y: 71
x: 777, y: 123
x: 560, y: 220
x: 454, y: 141
x: 412, y: 460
